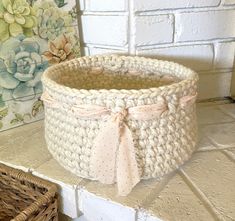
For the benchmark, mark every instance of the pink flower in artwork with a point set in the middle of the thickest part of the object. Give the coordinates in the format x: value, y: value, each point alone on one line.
x: 61, y: 49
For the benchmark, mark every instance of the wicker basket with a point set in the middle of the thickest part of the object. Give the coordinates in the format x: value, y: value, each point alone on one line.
x: 159, y: 95
x: 25, y: 197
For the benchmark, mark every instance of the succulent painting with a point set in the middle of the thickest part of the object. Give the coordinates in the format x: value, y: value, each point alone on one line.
x: 60, y: 3
x: 52, y: 21
x: 61, y: 49
x: 33, y: 35
x: 16, y: 17
x: 21, y: 65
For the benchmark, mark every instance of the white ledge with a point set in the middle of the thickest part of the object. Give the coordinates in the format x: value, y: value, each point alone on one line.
x: 203, y: 189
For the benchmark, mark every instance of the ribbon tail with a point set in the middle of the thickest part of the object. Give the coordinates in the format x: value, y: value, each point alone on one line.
x: 127, y: 169
x: 104, y: 151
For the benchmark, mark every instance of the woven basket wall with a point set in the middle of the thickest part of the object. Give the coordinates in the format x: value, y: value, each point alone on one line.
x: 26, y: 197
x: 121, y: 82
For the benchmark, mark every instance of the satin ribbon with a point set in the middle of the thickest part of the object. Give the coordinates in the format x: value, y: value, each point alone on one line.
x: 113, y: 157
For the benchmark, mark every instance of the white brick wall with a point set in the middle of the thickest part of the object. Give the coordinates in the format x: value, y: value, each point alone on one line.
x: 106, y: 30
x: 229, y: 2
x: 196, y: 33
x: 205, y: 25
x: 224, y: 55
x: 144, y: 5
x: 151, y: 26
x: 106, y: 5
x: 198, y: 57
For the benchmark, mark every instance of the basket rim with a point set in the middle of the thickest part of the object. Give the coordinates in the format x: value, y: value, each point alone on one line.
x: 24, y: 176
x: 47, y: 81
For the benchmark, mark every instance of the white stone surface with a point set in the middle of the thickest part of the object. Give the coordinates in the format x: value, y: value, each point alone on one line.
x: 143, y: 5
x: 224, y: 55
x: 221, y: 135
x: 213, y: 174
x: 106, y: 5
x: 173, y: 202
x: 204, y: 142
x: 153, y: 29
x: 229, y: 2
x: 98, y: 209
x: 211, y: 115
x: 16, y: 147
x: 214, y: 85
x: 231, y: 152
x: 205, y: 25
x: 106, y: 30
x: 206, y: 193
x: 228, y: 109
x: 197, y: 57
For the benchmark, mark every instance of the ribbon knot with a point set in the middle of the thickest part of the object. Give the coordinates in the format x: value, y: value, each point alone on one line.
x: 113, y: 157
x: 120, y: 116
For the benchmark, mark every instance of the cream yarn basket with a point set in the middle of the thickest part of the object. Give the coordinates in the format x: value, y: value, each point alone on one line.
x: 162, y: 132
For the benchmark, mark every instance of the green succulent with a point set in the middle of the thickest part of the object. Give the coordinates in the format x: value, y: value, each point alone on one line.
x: 16, y: 17
x: 60, y: 3
x: 52, y: 21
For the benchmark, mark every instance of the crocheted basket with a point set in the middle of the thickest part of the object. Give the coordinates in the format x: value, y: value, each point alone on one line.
x: 120, y: 118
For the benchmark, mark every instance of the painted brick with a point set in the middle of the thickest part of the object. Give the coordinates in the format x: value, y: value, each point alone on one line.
x: 154, y: 29
x: 141, y: 5
x: 197, y: 57
x: 229, y: 2
x: 213, y: 173
x: 100, y: 209
x: 96, y: 51
x: 224, y: 55
x: 214, y: 85
x: 205, y: 25
x: 81, y: 4
x: 104, y: 5
x: 142, y: 192
x: 106, y: 30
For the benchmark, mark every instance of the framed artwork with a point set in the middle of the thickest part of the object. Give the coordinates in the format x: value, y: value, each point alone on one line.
x: 34, y: 34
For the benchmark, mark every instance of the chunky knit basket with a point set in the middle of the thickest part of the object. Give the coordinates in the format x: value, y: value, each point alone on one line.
x: 159, y: 94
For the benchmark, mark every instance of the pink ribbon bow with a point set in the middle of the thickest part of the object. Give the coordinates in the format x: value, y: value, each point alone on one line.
x: 113, y: 157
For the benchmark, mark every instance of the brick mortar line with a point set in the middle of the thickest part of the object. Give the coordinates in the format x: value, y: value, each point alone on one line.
x: 215, y: 148
x: 222, y: 110
x: 228, y: 155
x: 102, y: 46
x: 219, y: 148
x: 207, y: 203
x: 184, y: 10
x: 215, y: 71
x: 131, y: 29
x: 102, y: 13
x: 221, y: 123
x: 155, y: 191
x: 187, y: 43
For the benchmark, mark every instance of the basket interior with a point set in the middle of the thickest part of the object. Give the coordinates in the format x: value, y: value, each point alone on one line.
x: 111, y: 75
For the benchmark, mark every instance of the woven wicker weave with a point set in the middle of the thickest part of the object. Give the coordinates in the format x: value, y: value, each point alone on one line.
x: 25, y: 197
x: 119, y: 82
